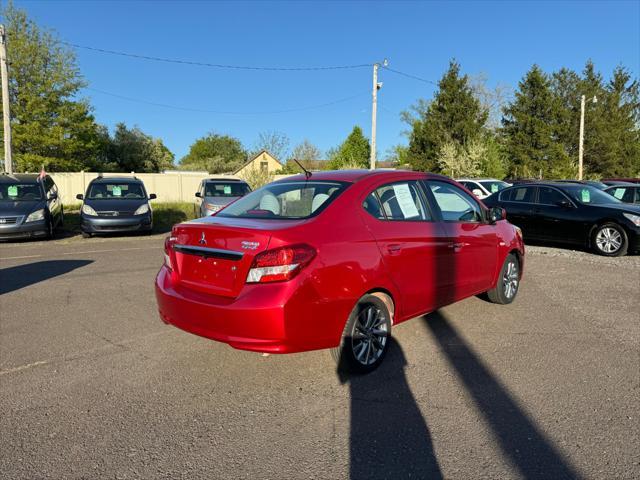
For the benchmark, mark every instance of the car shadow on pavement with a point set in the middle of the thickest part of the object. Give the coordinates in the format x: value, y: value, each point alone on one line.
x: 389, y: 437
x: 21, y: 276
x: 524, y: 445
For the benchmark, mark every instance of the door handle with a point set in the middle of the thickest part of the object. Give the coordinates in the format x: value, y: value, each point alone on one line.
x: 394, y: 248
x: 457, y: 245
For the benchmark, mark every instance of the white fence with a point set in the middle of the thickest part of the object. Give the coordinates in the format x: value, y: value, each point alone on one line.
x: 169, y: 187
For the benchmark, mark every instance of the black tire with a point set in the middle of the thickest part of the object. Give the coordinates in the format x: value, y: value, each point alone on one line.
x: 508, y: 282
x: 610, y: 240
x: 366, y: 333
x: 86, y: 235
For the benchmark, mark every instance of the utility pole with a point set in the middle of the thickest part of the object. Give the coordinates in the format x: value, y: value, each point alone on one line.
x: 581, y: 142
x: 374, y: 112
x: 6, y: 113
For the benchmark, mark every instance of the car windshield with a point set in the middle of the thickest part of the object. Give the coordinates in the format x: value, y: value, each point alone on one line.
x: 226, y: 189
x: 116, y: 191
x: 588, y: 195
x: 285, y: 200
x: 17, y: 192
x: 494, y: 186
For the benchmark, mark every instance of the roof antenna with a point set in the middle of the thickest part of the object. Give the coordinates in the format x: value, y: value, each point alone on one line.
x: 307, y: 173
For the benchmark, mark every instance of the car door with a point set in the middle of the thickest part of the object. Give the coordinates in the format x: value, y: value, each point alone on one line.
x: 412, y: 245
x: 200, y: 200
x: 473, y: 242
x: 519, y: 204
x: 554, y: 216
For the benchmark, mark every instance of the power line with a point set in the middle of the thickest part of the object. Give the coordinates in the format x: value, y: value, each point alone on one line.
x: 213, y: 65
x: 408, y: 75
x: 222, y: 112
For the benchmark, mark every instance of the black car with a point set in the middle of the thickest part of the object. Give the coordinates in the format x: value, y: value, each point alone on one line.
x: 593, y: 183
x: 115, y: 205
x: 627, y: 193
x: 29, y: 206
x: 571, y: 213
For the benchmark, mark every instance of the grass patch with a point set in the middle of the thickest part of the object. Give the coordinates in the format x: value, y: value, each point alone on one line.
x: 165, y: 216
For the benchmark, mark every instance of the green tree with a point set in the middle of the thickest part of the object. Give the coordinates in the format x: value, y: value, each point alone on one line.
x: 354, y: 152
x: 530, y: 129
x: 132, y: 150
x: 49, y: 126
x: 215, y: 153
x: 454, y: 115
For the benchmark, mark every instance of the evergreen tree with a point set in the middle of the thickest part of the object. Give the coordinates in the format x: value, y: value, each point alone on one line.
x: 354, y: 152
x: 455, y: 115
x: 132, y: 150
x: 49, y: 127
x: 530, y: 129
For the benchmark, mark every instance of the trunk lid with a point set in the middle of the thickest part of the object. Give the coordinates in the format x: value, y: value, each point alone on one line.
x: 214, y: 254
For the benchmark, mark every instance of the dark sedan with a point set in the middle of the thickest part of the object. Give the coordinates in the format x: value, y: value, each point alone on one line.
x: 29, y: 206
x: 571, y: 213
x: 116, y: 205
x: 627, y: 193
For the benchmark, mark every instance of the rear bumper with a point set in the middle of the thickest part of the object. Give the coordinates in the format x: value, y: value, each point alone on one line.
x: 273, y: 318
x: 24, y: 230
x: 139, y: 223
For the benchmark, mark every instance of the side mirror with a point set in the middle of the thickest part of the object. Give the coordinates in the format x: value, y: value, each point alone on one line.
x: 152, y: 196
x: 53, y: 196
x: 477, y: 192
x: 80, y: 196
x: 496, y: 214
x: 198, y: 194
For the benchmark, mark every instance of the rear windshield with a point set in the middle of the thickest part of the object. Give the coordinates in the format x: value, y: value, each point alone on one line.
x: 225, y: 189
x: 16, y: 192
x: 116, y: 190
x: 285, y: 200
x: 494, y: 186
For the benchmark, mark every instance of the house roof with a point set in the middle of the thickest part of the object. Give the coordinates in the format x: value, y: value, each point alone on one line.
x: 254, y: 157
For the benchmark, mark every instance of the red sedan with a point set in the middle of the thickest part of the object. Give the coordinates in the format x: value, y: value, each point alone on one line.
x: 334, y: 261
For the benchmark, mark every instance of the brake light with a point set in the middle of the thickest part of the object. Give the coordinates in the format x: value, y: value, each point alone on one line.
x: 280, y: 264
x: 168, y: 248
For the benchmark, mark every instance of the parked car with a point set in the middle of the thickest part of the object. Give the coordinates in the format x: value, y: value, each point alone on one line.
x: 483, y: 187
x: 115, y: 205
x: 29, y: 206
x: 622, y: 179
x: 333, y: 261
x: 571, y: 213
x: 593, y: 183
x: 214, y: 194
x: 627, y: 193
x: 610, y: 183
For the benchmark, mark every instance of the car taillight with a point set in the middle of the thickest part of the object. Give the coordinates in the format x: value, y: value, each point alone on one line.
x: 280, y: 264
x: 168, y: 248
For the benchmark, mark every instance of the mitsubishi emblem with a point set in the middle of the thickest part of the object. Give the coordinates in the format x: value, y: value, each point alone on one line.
x: 202, y: 241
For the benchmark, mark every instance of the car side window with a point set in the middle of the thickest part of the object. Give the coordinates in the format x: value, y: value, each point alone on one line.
x: 549, y: 196
x: 637, y: 195
x: 455, y: 204
x: 48, y: 184
x: 505, y: 195
x: 397, y: 201
x: 522, y: 195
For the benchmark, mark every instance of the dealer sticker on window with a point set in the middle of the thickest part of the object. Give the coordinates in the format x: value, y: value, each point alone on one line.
x: 12, y: 190
x: 585, y: 195
x: 227, y: 189
x: 494, y: 188
x: 117, y: 191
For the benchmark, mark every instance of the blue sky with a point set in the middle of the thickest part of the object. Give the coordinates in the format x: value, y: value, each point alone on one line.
x: 499, y: 39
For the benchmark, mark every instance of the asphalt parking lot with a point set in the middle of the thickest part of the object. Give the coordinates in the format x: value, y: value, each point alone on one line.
x: 92, y: 384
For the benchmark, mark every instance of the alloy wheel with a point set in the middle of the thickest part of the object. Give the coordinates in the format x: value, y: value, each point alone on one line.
x: 510, y: 279
x: 370, y: 335
x: 608, y: 240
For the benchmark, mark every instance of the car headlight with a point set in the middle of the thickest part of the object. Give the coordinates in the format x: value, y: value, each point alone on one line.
x: 213, y: 208
x: 142, y: 209
x: 87, y: 210
x: 635, y: 219
x: 35, y: 216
